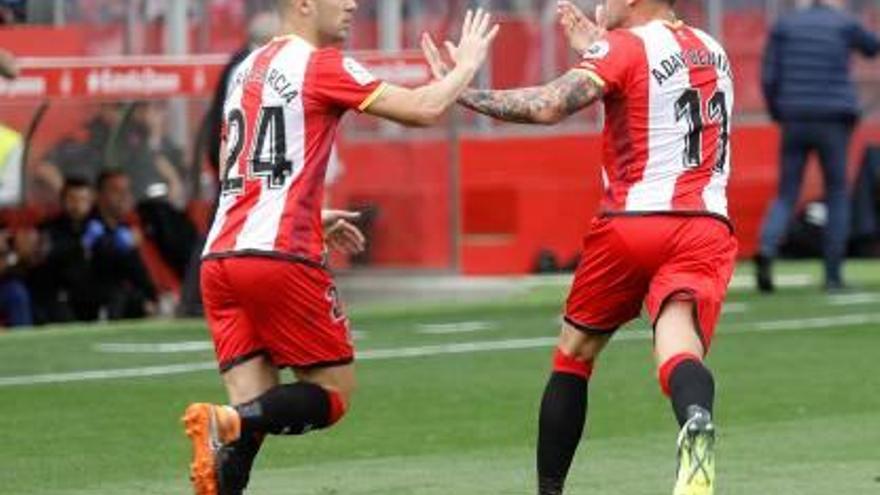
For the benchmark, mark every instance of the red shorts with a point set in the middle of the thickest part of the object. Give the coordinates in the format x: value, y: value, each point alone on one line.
x: 285, y: 310
x: 630, y: 261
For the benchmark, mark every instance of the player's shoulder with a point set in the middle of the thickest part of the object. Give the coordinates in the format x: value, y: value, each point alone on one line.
x: 616, y: 44
x: 707, y: 39
x: 626, y: 38
x: 333, y: 61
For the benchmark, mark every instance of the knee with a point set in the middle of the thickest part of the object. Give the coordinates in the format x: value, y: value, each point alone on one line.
x: 666, y: 369
x: 572, y: 364
x: 577, y: 352
x: 580, y: 345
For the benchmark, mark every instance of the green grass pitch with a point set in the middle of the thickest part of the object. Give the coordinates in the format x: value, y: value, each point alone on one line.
x: 445, y: 409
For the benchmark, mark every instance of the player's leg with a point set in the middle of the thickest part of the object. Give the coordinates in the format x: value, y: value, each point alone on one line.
x: 316, y: 401
x: 684, y: 302
x: 293, y: 310
x: 564, y: 405
x: 795, y: 147
x: 244, y: 383
x: 691, y: 388
x: 607, y: 291
x: 262, y: 406
x: 222, y: 456
x: 679, y: 352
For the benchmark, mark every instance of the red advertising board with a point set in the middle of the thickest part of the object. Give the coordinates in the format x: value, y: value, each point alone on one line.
x: 163, y: 77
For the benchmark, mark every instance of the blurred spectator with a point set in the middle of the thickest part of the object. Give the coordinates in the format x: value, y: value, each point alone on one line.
x: 11, y: 169
x: 121, y: 280
x: 809, y: 90
x: 81, y: 156
x: 91, y: 267
x: 154, y: 163
x: 12, y: 12
x: 62, y: 283
x: 16, y: 252
x: 8, y: 66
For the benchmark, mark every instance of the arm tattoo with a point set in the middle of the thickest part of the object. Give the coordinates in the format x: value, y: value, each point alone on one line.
x: 545, y: 104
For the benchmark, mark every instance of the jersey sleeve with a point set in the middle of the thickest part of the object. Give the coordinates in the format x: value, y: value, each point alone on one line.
x: 609, y: 62
x: 341, y: 82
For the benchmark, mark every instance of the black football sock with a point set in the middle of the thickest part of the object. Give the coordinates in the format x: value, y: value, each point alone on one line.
x: 237, y: 460
x: 291, y: 409
x: 561, y: 424
x: 691, y: 384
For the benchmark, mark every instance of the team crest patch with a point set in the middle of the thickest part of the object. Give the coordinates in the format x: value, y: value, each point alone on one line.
x: 357, y: 71
x: 597, y: 50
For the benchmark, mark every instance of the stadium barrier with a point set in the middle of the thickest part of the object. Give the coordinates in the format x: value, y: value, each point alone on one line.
x: 458, y: 198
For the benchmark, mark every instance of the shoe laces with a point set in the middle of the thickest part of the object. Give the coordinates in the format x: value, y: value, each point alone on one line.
x: 700, y: 458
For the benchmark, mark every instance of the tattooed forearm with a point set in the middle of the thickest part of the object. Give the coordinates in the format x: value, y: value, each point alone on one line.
x: 540, y: 105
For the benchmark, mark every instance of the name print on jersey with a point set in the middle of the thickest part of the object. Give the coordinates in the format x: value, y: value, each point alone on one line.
x: 276, y: 80
x: 687, y: 59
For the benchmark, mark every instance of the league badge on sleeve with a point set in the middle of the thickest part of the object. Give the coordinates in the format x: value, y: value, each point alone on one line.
x: 357, y: 71
x: 598, y: 50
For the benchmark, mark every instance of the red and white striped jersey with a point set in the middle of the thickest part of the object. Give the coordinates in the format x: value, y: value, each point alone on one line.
x: 281, y: 114
x: 668, y: 101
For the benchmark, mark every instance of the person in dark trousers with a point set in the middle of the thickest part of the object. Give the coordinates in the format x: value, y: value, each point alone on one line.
x: 809, y: 91
x: 61, y: 283
x: 121, y: 280
x: 16, y: 256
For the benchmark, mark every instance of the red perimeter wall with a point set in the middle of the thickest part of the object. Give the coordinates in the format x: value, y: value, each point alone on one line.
x: 524, y: 194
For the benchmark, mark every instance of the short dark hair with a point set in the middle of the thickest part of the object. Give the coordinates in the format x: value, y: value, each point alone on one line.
x: 106, y: 176
x: 74, y: 183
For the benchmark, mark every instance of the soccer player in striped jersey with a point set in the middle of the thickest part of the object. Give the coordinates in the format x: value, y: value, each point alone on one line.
x: 269, y: 299
x: 663, y: 238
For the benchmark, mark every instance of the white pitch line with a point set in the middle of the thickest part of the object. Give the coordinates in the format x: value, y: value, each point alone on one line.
x: 170, y: 347
x: 79, y: 376
x: 734, y: 308
x: 824, y: 322
x: 154, y: 348
x: 854, y: 299
x: 457, y: 348
x: 865, y: 320
x: 794, y: 280
x: 453, y: 328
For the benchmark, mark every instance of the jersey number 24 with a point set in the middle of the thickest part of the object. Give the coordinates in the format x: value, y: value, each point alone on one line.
x: 269, y: 156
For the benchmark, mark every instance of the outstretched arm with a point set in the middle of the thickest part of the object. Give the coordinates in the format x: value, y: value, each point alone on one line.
x: 424, y: 106
x: 546, y: 104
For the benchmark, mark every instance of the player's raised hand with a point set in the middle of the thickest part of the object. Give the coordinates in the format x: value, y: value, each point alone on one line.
x: 477, y: 35
x: 340, y: 234
x: 580, y: 31
x: 427, y: 104
x: 439, y: 67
